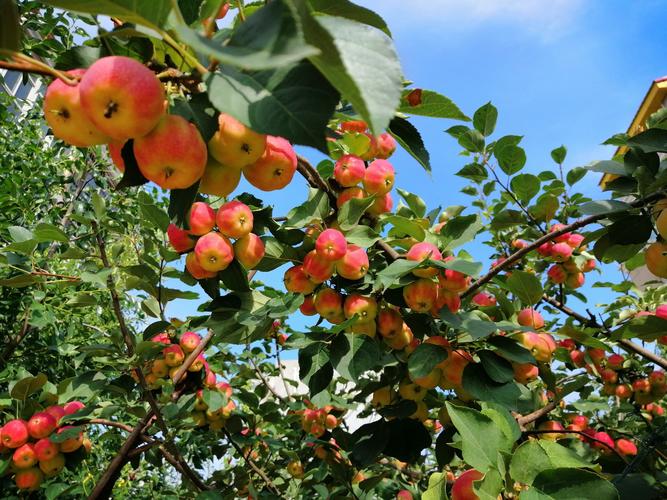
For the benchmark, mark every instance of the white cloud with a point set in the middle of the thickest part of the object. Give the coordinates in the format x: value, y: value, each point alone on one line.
x: 544, y: 19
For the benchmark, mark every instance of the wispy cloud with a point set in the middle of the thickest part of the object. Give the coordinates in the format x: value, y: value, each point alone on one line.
x: 546, y: 20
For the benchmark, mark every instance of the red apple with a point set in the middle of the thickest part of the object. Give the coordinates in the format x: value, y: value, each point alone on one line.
x: 41, y: 424
x: 364, y: 307
x: 354, y: 264
x: 249, y: 250
x: 53, y: 466
x: 29, y: 479
x: 349, y: 194
x: 234, y: 219
x: 24, y: 456
x: 45, y: 449
x: 379, y: 177
x: 14, y: 433
x: 189, y: 341
x: 296, y: 281
x: 195, y: 270
x: 316, y: 268
x: 420, y: 295
x: 201, y: 218
x: 331, y: 245
x: 463, y: 488
x: 235, y: 145
x: 419, y: 252
x: 349, y: 170
x: 275, y: 168
x: 214, y: 252
x: 179, y: 239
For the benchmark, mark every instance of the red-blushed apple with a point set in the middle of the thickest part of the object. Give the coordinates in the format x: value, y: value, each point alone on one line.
x: 179, y: 239
x: 551, y: 425
x: 354, y: 264
x: 483, y: 299
x: 173, y: 355
x: 381, y: 205
x: 545, y: 249
x: 14, y: 433
x: 603, y: 442
x: 596, y: 355
x: 275, y: 168
x: 385, y: 146
x: 189, y: 341
x: 71, y: 444
x: 195, y: 269
x: 402, y: 340
x: 316, y: 268
x: 115, y: 153
x: 623, y: 391
x: 364, y: 307
x: 234, y: 219
x: 56, y: 411
x: 530, y: 317
x: 525, y: 372
x: 561, y: 252
x: 626, y: 447
x: 348, y: 194
x: 331, y: 245
x: 404, y: 495
x: 452, y: 280
x: 173, y: 154
x: 358, y: 126
x: 588, y: 266
x: 608, y: 376
x: 379, y: 177
x: 249, y: 250
x: 420, y: 295
x: 28, y: 479
x: 575, y: 280
x: 560, y: 238
x: 349, y: 170
x: 65, y: 115
x: 214, y: 252
x: 296, y: 281
x: 655, y: 256
x: 452, y: 369
x: 419, y: 252
x: 368, y: 328
x: 122, y: 97
x: 557, y: 274
x: 307, y: 308
x: 201, y: 218
x: 218, y: 179
x: 234, y: 144
x: 541, y: 345
x: 389, y: 322
x: 41, y: 424
x: 24, y: 456
x: 45, y: 449
x: 452, y: 300
x: 53, y: 466
x: 575, y: 240
x: 329, y: 304
x: 72, y: 407
x: 463, y: 487
x: 519, y: 244
x: 567, y: 344
x: 159, y: 368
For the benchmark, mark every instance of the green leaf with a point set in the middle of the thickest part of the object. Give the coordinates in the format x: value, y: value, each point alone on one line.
x: 276, y: 254
x: 414, y: 202
x: 214, y: 399
x: 569, y: 484
x: 484, y: 119
x: 460, y: 230
x: 152, y: 14
x: 10, y: 26
x: 350, y: 213
x: 603, y: 207
x: 526, y: 286
x: 403, y: 226
x: 490, y: 487
x: 473, y: 171
x: 545, y: 208
x: 507, y: 218
x: 349, y: 10
x: 198, y: 110
x: 315, y: 370
x: 437, y: 487
x: 499, y: 369
x: 472, y: 140
x: 537, y: 455
x: 316, y: 208
x: 461, y: 265
x: 503, y: 419
x: 607, y: 167
x: 478, y: 384
x: 558, y: 155
x: 481, y: 439
x: 650, y: 141
x: 407, y: 135
x: 20, y: 234
x: 424, y: 359
x: 525, y: 186
x: 430, y: 104
x: 149, y: 211
x: 294, y: 102
x: 394, y: 271
x: 27, y: 386
x: 362, y: 236
x: 575, y: 175
x: 99, y: 205
x: 82, y: 299
x: 511, y: 350
x: 353, y: 354
x: 347, y: 48
x: 511, y: 158
x: 269, y: 38
x: 19, y: 281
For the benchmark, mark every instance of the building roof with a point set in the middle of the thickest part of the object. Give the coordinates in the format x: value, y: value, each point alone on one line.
x: 655, y: 98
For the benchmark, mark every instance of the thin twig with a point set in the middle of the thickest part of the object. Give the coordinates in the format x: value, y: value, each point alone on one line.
x: 27, y: 64
x: 537, y: 414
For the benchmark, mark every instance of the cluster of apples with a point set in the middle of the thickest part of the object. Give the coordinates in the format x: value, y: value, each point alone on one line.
x: 166, y: 366
x: 376, y: 178
x: 616, y: 378
x: 540, y: 344
x: 600, y: 441
x: 118, y: 99
x: 211, y: 251
x: 35, y: 451
x: 317, y: 421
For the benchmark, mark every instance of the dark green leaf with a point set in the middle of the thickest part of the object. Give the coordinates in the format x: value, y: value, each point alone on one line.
x: 424, y: 359
x: 350, y: 213
x: 409, y: 138
x: 559, y: 154
x: 575, y: 175
x: 28, y: 386
x: 526, y: 286
x: 353, y: 354
x: 472, y: 140
x: 180, y: 201
x: 603, y: 206
x: 499, y: 369
x: 525, y: 186
x: 132, y: 176
x: 484, y: 119
x: 510, y: 158
x: 315, y: 370
x: 650, y: 141
x: 349, y: 10
x: 569, y: 484
x: 479, y: 385
x: 10, y: 26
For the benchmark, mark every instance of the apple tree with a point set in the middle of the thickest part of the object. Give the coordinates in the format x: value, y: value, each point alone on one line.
x: 461, y: 336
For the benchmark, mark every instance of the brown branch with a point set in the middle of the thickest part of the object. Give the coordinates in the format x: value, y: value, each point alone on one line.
x: 129, y: 343
x: 537, y: 414
x: 516, y: 256
x: 626, y: 344
x: 26, y: 64
x: 587, y: 436
x: 178, y: 376
x: 253, y: 465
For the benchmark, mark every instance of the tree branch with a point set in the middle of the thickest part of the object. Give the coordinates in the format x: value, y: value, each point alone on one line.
x: 536, y: 415
x: 547, y: 238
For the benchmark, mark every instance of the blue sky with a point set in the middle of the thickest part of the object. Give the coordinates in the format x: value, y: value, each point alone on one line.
x: 569, y: 72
